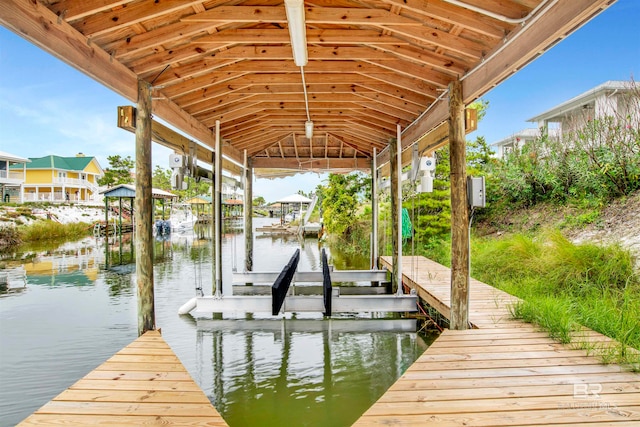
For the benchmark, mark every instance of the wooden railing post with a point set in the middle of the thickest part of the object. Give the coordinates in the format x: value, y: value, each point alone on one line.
x: 144, y: 212
x: 248, y: 213
x: 459, y: 211
x: 217, y: 212
x: 396, y: 206
x: 374, y: 210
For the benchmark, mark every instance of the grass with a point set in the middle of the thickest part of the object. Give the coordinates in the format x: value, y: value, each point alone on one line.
x: 51, y: 230
x: 564, y: 286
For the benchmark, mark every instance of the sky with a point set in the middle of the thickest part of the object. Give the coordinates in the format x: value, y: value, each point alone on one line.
x: 47, y: 107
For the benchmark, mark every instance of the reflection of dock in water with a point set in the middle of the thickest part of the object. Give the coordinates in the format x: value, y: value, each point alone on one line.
x: 309, y: 325
x: 13, y: 280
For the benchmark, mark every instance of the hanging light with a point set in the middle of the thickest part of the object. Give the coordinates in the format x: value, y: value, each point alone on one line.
x: 308, y: 129
x: 297, y: 30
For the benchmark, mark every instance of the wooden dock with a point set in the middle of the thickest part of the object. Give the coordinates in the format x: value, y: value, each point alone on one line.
x: 143, y: 384
x: 504, y: 373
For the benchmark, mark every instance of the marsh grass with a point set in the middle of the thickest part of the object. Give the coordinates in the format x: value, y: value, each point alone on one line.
x: 564, y: 286
x: 51, y: 230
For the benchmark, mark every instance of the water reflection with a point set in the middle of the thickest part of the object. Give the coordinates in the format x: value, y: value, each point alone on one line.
x: 70, y: 264
x: 296, y: 372
x: 77, y: 310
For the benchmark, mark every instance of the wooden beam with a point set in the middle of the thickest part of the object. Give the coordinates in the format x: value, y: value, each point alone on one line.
x: 73, y: 10
x: 523, y: 45
x: 128, y: 47
x: 442, y: 63
x: 135, y: 12
x: 325, y: 53
x: 374, y: 211
x: 446, y: 12
x: 248, y: 213
x: 358, y: 163
x: 459, y: 212
x: 37, y: 24
x: 217, y: 214
x: 144, y: 212
x: 527, y: 43
x: 171, y: 139
x: 40, y: 26
x: 432, y: 141
x: 396, y: 206
x: 314, y: 36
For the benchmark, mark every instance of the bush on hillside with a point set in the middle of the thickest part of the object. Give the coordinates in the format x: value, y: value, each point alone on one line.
x: 594, y: 162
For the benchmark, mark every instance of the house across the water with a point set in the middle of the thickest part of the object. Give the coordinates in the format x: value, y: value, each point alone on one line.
x: 61, y: 179
x: 12, y: 173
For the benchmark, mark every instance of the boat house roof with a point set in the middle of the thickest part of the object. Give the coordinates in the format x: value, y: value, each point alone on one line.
x: 362, y: 72
x: 129, y: 191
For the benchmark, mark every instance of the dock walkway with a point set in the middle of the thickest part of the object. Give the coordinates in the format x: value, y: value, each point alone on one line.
x: 504, y: 373
x: 143, y: 384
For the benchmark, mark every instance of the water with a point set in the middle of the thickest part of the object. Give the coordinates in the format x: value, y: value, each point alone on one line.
x: 73, y: 314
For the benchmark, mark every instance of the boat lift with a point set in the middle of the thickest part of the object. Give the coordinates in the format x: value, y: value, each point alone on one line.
x: 282, y: 300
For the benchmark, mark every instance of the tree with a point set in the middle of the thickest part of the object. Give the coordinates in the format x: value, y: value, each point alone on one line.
x: 161, y: 178
x: 479, y: 155
x: 259, y: 201
x: 340, y: 200
x: 118, y: 172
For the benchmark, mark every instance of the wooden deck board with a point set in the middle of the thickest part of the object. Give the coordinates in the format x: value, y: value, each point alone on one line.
x: 503, y: 372
x: 143, y: 384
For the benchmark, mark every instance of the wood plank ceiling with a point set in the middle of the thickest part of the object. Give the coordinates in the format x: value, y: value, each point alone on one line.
x: 373, y: 64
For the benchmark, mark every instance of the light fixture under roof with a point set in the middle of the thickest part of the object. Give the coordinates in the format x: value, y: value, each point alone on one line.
x: 297, y: 31
x: 308, y: 129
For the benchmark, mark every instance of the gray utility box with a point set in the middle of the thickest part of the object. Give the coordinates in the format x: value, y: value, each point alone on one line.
x: 476, y: 192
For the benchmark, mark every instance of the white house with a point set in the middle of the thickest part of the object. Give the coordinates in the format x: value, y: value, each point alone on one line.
x: 518, y: 139
x: 612, y: 98
x: 12, y: 181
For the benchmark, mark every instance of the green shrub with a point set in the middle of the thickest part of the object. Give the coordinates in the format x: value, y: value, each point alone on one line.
x: 9, y: 237
x: 51, y: 230
x: 564, y: 285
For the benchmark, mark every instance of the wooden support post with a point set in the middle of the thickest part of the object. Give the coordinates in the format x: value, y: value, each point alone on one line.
x: 106, y: 230
x: 400, y: 289
x: 133, y: 228
x: 217, y: 237
x: 248, y: 213
x: 374, y: 210
x: 396, y: 198
x: 143, y: 212
x: 120, y: 227
x: 459, y: 211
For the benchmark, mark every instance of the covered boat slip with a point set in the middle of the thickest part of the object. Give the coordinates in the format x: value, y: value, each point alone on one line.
x: 316, y: 86
x: 503, y: 372
x: 143, y: 384
x: 262, y: 86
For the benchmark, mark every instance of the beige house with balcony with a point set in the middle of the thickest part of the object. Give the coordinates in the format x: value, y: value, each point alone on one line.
x: 613, y: 98
x: 12, y: 176
x: 62, y: 179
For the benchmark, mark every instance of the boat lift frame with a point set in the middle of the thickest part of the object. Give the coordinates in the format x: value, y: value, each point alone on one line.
x: 281, y: 301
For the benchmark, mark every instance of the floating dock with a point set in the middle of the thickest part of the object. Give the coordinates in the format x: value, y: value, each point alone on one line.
x: 504, y: 372
x: 143, y: 384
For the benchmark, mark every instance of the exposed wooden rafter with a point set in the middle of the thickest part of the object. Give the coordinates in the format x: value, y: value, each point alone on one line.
x: 372, y: 65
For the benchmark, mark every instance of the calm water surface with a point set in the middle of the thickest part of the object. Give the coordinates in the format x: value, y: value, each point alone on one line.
x: 72, y: 313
